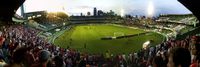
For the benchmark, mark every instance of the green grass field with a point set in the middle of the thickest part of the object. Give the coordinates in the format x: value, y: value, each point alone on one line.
x: 87, y: 38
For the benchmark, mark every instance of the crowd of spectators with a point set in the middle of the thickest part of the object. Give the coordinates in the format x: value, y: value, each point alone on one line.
x: 21, y: 47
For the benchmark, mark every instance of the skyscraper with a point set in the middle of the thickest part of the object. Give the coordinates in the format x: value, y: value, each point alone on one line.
x: 81, y: 14
x: 95, y: 11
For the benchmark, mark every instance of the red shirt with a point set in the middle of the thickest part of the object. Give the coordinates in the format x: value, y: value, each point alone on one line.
x: 194, y: 65
x: 2, y: 40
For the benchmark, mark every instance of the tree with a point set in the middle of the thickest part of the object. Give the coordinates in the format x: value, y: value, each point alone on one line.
x: 62, y: 15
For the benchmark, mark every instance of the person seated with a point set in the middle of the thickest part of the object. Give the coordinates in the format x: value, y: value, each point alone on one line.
x: 179, y: 57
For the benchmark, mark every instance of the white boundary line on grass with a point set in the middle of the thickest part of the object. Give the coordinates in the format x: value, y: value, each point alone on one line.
x: 60, y: 33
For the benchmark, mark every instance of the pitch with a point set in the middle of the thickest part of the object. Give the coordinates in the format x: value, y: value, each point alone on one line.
x: 87, y: 38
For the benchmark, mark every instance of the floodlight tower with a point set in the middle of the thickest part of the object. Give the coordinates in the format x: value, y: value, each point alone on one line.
x: 23, y: 11
x: 150, y: 8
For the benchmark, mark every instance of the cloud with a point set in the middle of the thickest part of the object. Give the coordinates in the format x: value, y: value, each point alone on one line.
x: 129, y: 6
x: 85, y: 7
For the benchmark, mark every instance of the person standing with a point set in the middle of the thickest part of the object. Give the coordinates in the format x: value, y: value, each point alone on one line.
x: 179, y: 57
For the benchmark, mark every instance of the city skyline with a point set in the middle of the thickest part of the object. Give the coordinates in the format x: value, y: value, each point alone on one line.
x: 121, y: 7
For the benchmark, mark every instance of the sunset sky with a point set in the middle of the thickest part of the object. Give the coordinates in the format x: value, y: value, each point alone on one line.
x: 121, y: 7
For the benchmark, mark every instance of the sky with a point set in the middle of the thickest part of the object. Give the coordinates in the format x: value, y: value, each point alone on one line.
x: 121, y: 7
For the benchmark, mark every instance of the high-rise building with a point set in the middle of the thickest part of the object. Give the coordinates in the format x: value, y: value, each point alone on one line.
x: 81, y: 14
x: 95, y: 11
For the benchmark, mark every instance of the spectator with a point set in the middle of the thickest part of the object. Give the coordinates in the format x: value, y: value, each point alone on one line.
x: 58, y: 61
x: 179, y: 57
x: 2, y: 62
x: 29, y: 57
x: 158, y: 61
x: 82, y: 62
x: 2, y: 39
x: 198, y: 60
x: 196, y: 55
x: 18, y: 58
x: 44, y: 57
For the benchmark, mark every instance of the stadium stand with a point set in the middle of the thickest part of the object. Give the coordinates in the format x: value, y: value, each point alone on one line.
x: 21, y: 47
x: 14, y: 38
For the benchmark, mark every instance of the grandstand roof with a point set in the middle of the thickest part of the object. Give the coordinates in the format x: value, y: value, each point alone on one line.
x: 8, y: 9
x: 193, y: 6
